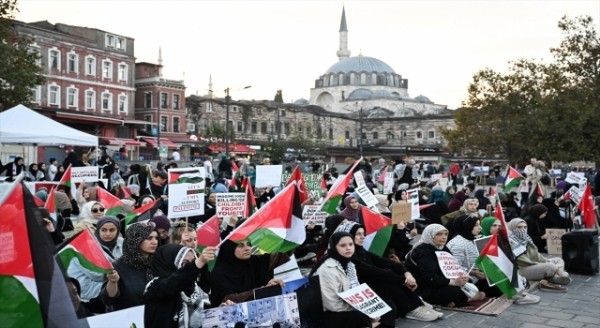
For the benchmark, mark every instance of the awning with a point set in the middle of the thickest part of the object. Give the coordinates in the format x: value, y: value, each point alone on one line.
x: 120, y: 142
x: 163, y: 142
x: 89, y: 118
x: 235, y: 148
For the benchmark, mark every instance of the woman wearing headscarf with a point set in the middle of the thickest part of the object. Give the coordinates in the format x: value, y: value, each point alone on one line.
x: 60, y: 171
x: 172, y: 298
x: 90, y: 214
x: 449, y: 194
x: 389, y: 279
x: 532, y: 265
x: 469, y: 207
x: 537, y: 224
x: 489, y: 225
x: 34, y: 173
x: 107, y: 233
x: 13, y: 169
x: 163, y: 226
x: 484, y: 202
x: 352, y: 209
x: 337, y: 273
x: 237, y: 272
x: 422, y: 262
x: 126, y: 283
x: 457, y: 201
x: 84, y: 194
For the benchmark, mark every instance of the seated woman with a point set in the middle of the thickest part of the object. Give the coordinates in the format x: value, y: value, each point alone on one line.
x: 352, y: 209
x: 469, y: 207
x: 89, y: 215
x: 107, y: 233
x: 489, y: 225
x: 389, y: 279
x: 126, y: 283
x: 172, y: 298
x: 237, y: 272
x: 337, y: 273
x: 532, y: 265
x: 537, y: 225
x: 433, y: 286
x: 183, y: 234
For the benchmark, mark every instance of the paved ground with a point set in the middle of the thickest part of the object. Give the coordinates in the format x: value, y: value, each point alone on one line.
x: 579, y: 307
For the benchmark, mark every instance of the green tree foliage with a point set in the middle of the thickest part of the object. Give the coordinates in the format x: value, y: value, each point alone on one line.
x: 536, y: 109
x: 19, y: 72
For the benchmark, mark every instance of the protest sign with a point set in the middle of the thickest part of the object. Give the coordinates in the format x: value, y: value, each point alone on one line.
x: 575, y: 178
x: 312, y: 181
x: 443, y: 182
x: 413, y: 199
x: 555, y: 173
x: 574, y: 194
x: 84, y: 173
x: 554, y: 240
x: 268, y: 175
x: 401, y: 212
x: 365, y: 300
x: 388, y: 183
x: 359, y: 178
x: 435, y: 177
x: 288, y: 271
x: 312, y: 216
x: 367, y: 196
x: 130, y: 317
x: 231, y: 204
x: 186, y: 192
x: 449, y: 265
x: 480, y: 171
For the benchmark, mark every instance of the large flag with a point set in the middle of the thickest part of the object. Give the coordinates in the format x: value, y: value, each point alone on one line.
x: 297, y: 176
x: 498, y: 263
x: 33, y: 292
x: 336, y: 192
x: 499, y: 214
x: 66, y: 182
x: 378, y: 230
x: 209, y: 234
x: 84, y: 247
x: 586, y: 206
x: 275, y: 227
x: 112, y: 204
x: 512, y: 179
x: 250, y: 201
x: 143, y: 213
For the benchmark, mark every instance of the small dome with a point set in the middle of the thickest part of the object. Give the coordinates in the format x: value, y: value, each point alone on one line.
x: 381, y: 94
x: 360, y: 94
x: 360, y: 64
x: 301, y: 102
x: 423, y: 99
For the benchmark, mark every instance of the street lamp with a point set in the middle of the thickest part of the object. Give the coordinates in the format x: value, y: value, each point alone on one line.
x: 227, y: 101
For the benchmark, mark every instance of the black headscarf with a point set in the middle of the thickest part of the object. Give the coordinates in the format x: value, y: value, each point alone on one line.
x: 333, y: 253
x: 108, y: 245
x: 132, y: 254
x: 465, y: 225
x: 168, y: 259
x: 232, y: 275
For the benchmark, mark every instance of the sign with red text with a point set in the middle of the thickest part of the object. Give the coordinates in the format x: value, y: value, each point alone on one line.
x: 186, y: 192
x: 231, y: 204
x: 84, y: 173
x: 449, y: 265
x: 365, y: 300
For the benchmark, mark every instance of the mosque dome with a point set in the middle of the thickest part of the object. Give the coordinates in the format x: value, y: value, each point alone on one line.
x: 301, y: 102
x: 360, y: 64
x: 423, y: 99
x: 360, y: 94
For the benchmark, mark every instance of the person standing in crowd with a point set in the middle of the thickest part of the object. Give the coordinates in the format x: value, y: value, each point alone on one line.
x: 52, y: 169
x: 13, y: 169
x: 220, y: 186
x: 225, y: 167
x: 72, y: 160
x: 127, y: 282
x: 84, y: 194
x: 457, y: 201
x: 44, y: 169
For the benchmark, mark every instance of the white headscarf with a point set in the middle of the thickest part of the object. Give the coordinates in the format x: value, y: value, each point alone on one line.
x: 429, y: 233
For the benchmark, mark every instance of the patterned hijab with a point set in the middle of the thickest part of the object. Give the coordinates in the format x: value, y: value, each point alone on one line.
x: 519, y: 236
x: 429, y: 233
x: 132, y: 253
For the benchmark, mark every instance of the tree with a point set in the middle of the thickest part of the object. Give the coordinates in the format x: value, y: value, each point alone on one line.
x: 19, y: 71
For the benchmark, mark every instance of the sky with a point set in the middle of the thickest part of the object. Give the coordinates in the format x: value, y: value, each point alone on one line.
x: 269, y: 45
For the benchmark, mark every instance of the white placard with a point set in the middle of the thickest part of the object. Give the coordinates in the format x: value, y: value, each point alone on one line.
x: 435, y: 177
x: 268, y: 175
x: 443, y: 182
x: 359, y: 178
x: 479, y: 171
x: 388, y: 183
x: 231, y: 204
x: 413, y: 199
x: 365, y: 300
x: 84, y: 173
x: 367, y: 196
x: 575, y: 177
x: 186, y: 191
x: 288, y: 271
x: 449, y: 265
x: 311, y: 215
x: 130, y: 317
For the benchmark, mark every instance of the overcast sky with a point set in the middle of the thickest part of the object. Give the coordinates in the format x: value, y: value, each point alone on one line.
x: 436, y: 45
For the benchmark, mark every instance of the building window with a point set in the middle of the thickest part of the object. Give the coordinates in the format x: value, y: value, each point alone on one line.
x: 54, y: 95
x: 330, y: 134
x: 72, y: 97
x: 148, y: 99
x: 253, y: 127
x: 431, y: 134
x: 234, y: 108
x: 123, y: 106
x: 148, y: 118
x: 90, y: 65
x: 363, y: 136
x: 73, y: 62
x: 263, y: 127
x: 107, y: 69
x: 176, y: 121
x: 240, y: 126
x: 110, y: 40
x: 191, y: 127
x: 286, y: 128
x: 35, y: 49
x: 176, y: 101
x: 90, y: 99
x: 164, y: 100
x: 121, y: 43
x: 54, y: 56
x: 282, y: 113
x: 375, y: 135
x: 36, y: 94
x: 107, y: 101
x: 419, y: 134
x: 163, y: 123
x: 347, y: 135
x: 209, y: 107
x: 122, y: 74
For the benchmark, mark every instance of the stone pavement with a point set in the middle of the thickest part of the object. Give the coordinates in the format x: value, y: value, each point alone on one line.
x: 579, y: 307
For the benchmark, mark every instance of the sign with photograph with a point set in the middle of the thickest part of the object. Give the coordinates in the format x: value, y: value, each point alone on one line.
x: 186, y: 192
x: 388, y: 183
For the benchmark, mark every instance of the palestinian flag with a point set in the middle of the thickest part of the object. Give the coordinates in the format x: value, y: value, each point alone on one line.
x: 38, y: 201
x: 382, y: 175
x: 323, y: 183
x: 586, y: 206
x: 209, y: 234
x: 499, y: 214
x: 66, y: 182
x: 33, y: 292
x: 122, y: 192
x: 250, y: 203
x: 192, y: 176
x: 235, y: 173
x: 50, y: 205
x: 275, y: 227
x: 378, y: 230
x: 512, y: 179
x: 335, y: 194
x: 297, y: 176
x: 112, y: 204
x: 140, y: 214
x: 84, y: 247
x: 498, y: 263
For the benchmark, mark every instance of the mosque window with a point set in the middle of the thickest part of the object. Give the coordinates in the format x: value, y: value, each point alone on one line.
x: 253, y: 127
x: 331, y: 133
x: 431, y: 134
x: 263, y: 127
x: 375, y: 135
x: 419, y: 135
x: 363, y: 78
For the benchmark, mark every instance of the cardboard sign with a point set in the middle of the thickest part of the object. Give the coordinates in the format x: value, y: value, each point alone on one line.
x: 359, y: 178
x: 268, y: 175
x: 312, y: 181
x: 365, y: 300
x: 449, y: 265
x: 554, y: 240
x: 312, y: 215
x: 186, y: 192
x: 401, y: 212
x: 388, y: 183
x: 231, y: 204
x: 84, y: 173
x: 367, y: 196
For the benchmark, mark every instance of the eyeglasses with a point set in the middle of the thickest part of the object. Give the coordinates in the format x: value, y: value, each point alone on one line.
x: 99, y: 209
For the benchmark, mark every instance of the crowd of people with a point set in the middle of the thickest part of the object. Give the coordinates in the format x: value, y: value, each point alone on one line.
x: 157, y: 263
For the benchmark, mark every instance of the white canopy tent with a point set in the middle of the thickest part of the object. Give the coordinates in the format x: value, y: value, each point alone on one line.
x: 21, y: 125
